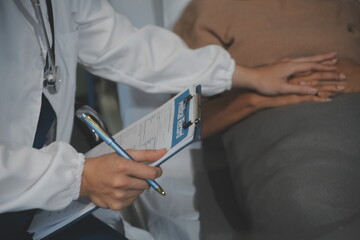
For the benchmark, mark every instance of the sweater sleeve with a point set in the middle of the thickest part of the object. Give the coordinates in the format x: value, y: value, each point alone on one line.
x: 206, y: 22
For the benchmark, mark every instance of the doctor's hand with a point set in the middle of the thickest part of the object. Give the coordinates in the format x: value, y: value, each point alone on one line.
x: 274, y: 79
x: 114, y: 182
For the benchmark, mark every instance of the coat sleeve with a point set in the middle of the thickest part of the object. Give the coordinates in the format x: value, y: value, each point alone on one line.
x: 48, y: 178
x: 152, y: 59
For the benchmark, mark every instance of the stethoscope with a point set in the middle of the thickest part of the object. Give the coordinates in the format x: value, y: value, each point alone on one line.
x: 52, y: 78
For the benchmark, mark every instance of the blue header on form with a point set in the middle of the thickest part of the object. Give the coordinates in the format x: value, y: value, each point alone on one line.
x: 180, y: 116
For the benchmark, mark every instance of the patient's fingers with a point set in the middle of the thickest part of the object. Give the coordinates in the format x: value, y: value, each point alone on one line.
x: 316, y: 77
x: 328, y: 84
x: 292, y: 99
x: 328, y: 90
x: 330, y: 62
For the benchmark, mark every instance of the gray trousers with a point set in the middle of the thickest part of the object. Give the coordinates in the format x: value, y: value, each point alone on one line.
x: 294, y: 171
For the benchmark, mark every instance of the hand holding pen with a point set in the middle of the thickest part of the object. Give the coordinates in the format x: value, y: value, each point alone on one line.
x: 114, y: 182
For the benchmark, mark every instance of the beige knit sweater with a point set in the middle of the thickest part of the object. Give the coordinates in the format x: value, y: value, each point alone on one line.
x: 257, y: 32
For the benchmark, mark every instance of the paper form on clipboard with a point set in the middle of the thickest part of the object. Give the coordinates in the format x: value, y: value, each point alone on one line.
x: 173, y: 126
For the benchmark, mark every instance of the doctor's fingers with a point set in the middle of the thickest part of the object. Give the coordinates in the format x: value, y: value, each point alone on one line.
x: 306, y: 67
x: 140, y: 170
x: 127, y: 183
x: 326, y: 58
x: 117, y: 200
x: 146, y: 155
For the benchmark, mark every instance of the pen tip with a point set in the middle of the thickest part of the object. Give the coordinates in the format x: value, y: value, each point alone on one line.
x: 161, y: 191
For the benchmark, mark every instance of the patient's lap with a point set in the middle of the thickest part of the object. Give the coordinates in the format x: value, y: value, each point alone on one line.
x: 298, y: 167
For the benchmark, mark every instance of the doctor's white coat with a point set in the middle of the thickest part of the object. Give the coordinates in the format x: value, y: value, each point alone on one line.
x: 91, y: 33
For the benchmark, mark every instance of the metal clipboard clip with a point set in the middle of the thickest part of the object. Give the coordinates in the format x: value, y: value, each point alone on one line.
x: 196, y: 97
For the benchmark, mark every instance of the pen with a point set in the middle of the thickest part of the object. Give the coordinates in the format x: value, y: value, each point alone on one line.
x: 113, y: 144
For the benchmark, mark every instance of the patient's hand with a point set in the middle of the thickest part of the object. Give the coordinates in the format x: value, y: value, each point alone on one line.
x: 327, y: 87
x: 352, y: 72
x: 273, y: 79
x: 223, y: 111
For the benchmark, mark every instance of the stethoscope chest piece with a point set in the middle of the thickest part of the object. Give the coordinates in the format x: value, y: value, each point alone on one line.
x: 52, y: 80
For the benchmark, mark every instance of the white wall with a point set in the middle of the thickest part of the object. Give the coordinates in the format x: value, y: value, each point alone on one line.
x: 171, y: 11
x: 140, y: 12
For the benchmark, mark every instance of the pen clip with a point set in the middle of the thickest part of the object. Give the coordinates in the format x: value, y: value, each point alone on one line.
x: 96, y: 118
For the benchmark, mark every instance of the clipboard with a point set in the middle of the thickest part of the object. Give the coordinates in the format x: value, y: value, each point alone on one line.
x: 174, y: 125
